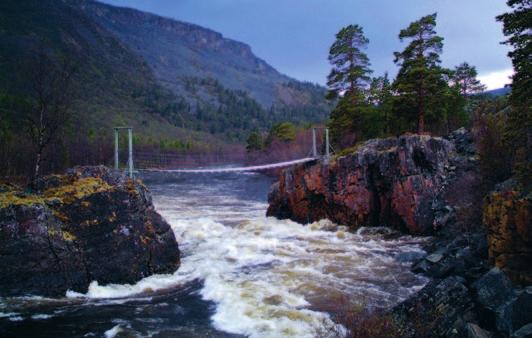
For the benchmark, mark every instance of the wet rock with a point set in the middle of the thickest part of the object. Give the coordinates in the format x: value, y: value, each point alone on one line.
x: 434, y: 258
x: 494, y: 293
x: 90, y: 224
x: 436, y: 310
x: 522, y: 308
x: 474, y: 331
x: 493, y: 289
x: 393, y: 182
x: 410, y: 256
x: 524, y: 332
x: 508, y: 218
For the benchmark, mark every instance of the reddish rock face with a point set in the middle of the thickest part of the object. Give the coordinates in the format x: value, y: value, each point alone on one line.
x: 391, y: 182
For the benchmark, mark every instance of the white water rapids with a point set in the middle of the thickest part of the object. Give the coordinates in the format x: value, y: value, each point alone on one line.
x: 265, y: 277
x: 264, y: 274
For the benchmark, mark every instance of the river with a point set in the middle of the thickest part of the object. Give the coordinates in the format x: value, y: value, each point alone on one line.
x: 241, y: 274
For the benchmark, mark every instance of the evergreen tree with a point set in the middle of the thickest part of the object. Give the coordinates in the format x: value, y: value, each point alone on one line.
x: 350, y: 71
x: 455, y: 109
x: 348, y: 80
x: 381, y: 96
x: 254, y: 141
x: 465, y: 78
x: 419, y: 85
x: 517, y: 26
x: 284, y: 131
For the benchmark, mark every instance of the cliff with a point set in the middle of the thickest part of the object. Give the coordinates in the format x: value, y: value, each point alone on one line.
x: 508, y: 218
x: 398, y: 182
x: 89, y: 224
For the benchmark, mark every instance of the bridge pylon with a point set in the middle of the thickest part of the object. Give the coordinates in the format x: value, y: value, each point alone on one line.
x: 327, y: 154
x: 130, y: 149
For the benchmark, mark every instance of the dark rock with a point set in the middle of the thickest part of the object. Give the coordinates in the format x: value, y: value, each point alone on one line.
x: 474, y: 331
x: 493, y: 289
x: 434, y: 258
x: 410, y: 256
x: 515, y: 313
x: 524, y: 332
x: 422, y: 267
x: 90, y: 224
x: 464, y: 141
x: 435, y: 311
x: 493, y: 293
x: 522, y: 308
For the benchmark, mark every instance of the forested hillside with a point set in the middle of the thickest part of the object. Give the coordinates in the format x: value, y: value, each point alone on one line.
x: 177, y: 84
x: 216, y: 79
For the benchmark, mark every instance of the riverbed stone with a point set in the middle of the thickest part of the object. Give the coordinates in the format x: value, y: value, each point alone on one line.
x: 523, y: 332
x: 437, y: 310
x: 475, y: 331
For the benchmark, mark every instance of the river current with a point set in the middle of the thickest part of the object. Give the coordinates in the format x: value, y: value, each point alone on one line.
x: 241, y: 274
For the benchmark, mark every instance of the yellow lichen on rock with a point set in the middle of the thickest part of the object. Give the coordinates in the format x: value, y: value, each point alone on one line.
x: 65, y: 235
x: 78, y: 189
x: 16, y: 198
x: 507, y: 216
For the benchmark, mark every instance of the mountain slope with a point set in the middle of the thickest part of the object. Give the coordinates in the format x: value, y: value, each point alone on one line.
x: 113, y: 85
x: 176, y: 51
x: 168, y: 79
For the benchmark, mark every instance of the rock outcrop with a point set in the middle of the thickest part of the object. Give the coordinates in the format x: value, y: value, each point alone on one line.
x: 397, y: 182
x: 89, y: 224
x: 508, y: 218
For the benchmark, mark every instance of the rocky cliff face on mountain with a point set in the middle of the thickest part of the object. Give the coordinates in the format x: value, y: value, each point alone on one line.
x: 177, y: 51
x: 90, y: 224
x: 399, y: 182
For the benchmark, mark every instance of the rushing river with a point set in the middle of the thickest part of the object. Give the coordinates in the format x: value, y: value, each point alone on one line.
x: 241, y: 274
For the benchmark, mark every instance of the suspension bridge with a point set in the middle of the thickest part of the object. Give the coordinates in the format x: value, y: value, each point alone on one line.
x: 312, y: 156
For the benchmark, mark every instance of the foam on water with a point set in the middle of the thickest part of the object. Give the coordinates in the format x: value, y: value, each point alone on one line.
x: 270, y: 278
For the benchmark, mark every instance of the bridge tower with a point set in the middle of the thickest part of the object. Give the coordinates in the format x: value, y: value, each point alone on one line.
x: 328, y: 148
x: 130, y: 149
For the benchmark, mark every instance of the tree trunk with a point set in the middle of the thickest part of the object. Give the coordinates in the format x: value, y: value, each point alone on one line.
x: 421, y: 107
x: 37, y: 168
x: 421, y: 123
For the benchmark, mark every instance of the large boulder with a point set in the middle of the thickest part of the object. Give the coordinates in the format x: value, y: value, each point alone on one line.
x: 437, y: 310
x: 89, y: 224
x: 508, y: 219
x: 494, y: 293
x: 395, y: 181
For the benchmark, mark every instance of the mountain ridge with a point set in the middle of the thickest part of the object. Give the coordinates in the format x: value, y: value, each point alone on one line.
x: 176, y: 50
x: 182, y: 87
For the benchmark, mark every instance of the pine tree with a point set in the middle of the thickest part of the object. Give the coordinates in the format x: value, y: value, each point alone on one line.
x: 350, y: 71
x: 380, y: 95
x: 419, y: 85
x: 465, y: 78
x: 348, y: 80
x: 517, y: 26
x: 254, y: 141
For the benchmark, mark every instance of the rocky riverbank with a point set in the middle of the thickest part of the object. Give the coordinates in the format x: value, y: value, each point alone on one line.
x: 90, y: 224
x: 399, y: 182
x: 426, y: 185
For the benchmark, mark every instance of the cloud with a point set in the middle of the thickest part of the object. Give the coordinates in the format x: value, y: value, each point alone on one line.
x: 498, y: 79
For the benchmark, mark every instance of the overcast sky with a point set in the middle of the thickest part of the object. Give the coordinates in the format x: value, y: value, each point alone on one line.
x: 294, y: 36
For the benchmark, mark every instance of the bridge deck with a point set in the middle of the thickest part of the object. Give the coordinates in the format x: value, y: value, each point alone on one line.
x: 238, y: 169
